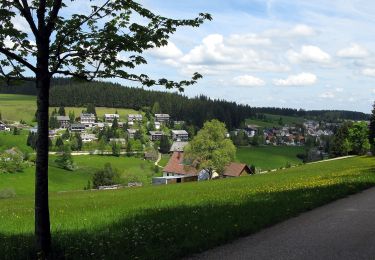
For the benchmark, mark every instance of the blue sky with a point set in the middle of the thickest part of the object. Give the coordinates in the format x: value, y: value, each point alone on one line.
x: 300, y: 54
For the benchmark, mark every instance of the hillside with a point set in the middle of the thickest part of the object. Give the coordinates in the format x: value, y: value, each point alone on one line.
x: 149, y: 222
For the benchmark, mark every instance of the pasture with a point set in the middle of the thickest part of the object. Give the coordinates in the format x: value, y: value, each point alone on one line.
x: 269, y: 157
x: 273, y: 121
x: 22, y: 107
x: 167, y: 222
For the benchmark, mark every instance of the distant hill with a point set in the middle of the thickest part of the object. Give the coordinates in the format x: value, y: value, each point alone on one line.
x: 197, y: 110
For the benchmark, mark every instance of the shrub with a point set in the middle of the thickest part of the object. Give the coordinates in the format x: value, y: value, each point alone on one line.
x: 105, y: 177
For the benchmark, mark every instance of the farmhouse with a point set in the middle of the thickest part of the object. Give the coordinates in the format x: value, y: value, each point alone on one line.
x: 87, y: 119
x: 131, y: 132
x: 236, y: 170
x: 77, y: 127
x: 111, y: 117
x: 134, y: 117
x: 180, y: 135
x: 177, y: 166
x: 156, y: 135
x: 174, y: 179
x: 86, y: 138
x: 162, y: 118
x: 64, y: 121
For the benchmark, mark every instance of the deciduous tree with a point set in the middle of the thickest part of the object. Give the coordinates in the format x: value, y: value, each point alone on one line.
x: 87, y: 45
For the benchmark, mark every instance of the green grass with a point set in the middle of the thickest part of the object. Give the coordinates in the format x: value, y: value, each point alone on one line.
x: 269, y: 157
x: 164, y: 160
x: 130, y: 169
x: 22, y: 107
x: 8, y: 140
x: 273, y: 121
x: 167, y: 222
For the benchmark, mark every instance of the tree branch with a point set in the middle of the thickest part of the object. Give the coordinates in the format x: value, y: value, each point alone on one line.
x: 25, y: 11
x: 17, y: 58
x: 53, y: 15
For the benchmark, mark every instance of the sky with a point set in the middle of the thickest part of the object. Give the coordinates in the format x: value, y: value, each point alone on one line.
x: 281, y: 53
x: 272, y: 53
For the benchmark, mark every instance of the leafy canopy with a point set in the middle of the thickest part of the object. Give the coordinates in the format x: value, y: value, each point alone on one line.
x: 210, y: 148
x: 102, y: 41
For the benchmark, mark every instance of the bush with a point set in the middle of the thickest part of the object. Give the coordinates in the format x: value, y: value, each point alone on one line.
x: 105, y: 177
x: 7, y: 193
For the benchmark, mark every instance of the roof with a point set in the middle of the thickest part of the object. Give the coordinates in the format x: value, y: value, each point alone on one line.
x: 78, y: 125
x: 62, y: 118
x: 176, y: 165
x: 161, y: 115
x: 87, y: 115
x: 178, y: 146
x: 235, y: 169
x: 156, y: 133
x: 134, y: 115
x: 132, y: 131
x: 179, y: 132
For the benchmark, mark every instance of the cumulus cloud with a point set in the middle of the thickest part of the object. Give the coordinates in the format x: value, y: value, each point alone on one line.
x: 302, y: 30
x: 354, y: 51
x: 370, y: 72
x: 308, y: 53
x: 169, y: 51
x: 302, y: 79
x: 248, y: 81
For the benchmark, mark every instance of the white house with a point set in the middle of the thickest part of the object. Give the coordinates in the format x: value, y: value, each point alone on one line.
x: 77, y: 127
x: 131, y: 132
x: 180, y: 135
x: 135, y: 117
x: 162, y: 118
x: 86, y: 138
x: 87, y: 119
x: 111, y: 117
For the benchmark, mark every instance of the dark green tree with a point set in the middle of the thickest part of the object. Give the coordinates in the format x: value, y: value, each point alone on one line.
x: 53, y: 123
x: 84, y: 45
x: 61, y: 111
x: 91, y: 109
x: 65, y: 159
x: 106, y: 176
x: 116, y: 149
x: 59, y: 142
x: 165, y: 144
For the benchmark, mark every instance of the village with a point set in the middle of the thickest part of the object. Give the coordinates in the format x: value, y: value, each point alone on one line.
x: 152, y: 135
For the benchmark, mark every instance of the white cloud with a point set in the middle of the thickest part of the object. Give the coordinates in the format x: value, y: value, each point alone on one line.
x: 369, y: 72
x: 339, y: 90
x: 327, y: 94
x: 302, y: 30
x: 248, y: 81
x: 302, y: 79
x: 354, y: 51
x: 169, y: 51
x: 308, y: 53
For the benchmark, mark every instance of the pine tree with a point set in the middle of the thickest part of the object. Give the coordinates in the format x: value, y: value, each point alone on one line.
x: 61, y: 111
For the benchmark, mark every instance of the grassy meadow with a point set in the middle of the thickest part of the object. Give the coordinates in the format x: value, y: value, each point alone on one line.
x: 167, y: 222
x: 269, y: 157
x: 130, y: 169
x: 273, y: 121
x: 22, y: 107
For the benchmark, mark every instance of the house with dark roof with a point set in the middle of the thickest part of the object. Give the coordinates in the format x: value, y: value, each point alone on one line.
x: 180, y: 135
x: 64, y: 121
x: 236, y: 170
x: 156, y: 135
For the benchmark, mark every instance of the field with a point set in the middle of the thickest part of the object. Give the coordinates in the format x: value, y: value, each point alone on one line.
x: 273, y: 121
x: 22, y: 107
x: 269, y: 157
x: 131, y: 169
x: 167, y: 222
x: 8, y: 141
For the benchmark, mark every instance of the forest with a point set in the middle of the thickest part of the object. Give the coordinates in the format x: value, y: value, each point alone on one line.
x: 195, y: 111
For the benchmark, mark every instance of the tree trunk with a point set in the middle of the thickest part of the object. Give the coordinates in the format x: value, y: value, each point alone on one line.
x: 42, y: 219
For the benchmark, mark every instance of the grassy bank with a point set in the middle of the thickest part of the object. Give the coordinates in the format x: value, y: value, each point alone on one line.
x: 269, y: 157
x: 167, y: 222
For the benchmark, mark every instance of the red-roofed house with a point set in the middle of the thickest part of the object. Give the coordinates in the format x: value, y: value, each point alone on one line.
x: 177, y: 167
x: 236, y: 170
